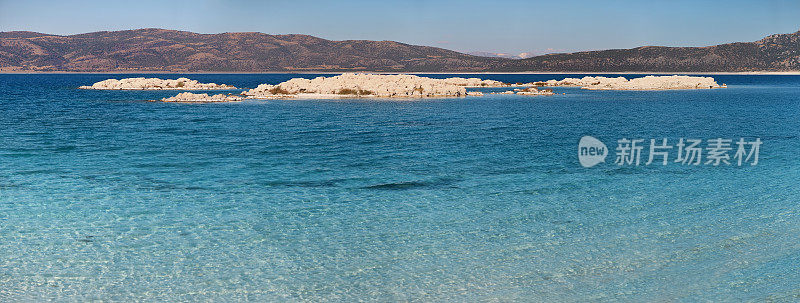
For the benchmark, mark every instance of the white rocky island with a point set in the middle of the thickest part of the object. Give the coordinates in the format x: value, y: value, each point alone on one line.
x: 356, y: 85
x: 188, y: 97
x: 353, y: 85
x: 369, y: 85
x: 643, y: 83
x: 474, y: 82
x: 155, y: 84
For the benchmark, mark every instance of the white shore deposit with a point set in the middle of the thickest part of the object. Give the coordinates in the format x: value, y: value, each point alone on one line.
x: 155, y: 84
x: 202, y: 98
x: 369, y: 85
x: 644, y: 83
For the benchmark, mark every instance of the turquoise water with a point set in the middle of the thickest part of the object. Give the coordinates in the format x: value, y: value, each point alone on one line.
x: 104, y: 196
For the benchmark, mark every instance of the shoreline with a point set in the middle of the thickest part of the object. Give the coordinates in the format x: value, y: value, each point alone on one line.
x: 791, y: 73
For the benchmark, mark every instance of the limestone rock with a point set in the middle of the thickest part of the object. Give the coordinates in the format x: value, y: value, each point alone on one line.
x: 474, y: 82
x: 643, y: 83
x: 363, y: 85
x: 155, y: 84
x: 532, y: 91
x: 191, y: 97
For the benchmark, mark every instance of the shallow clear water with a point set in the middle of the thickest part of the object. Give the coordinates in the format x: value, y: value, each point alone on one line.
x: 104, y: 196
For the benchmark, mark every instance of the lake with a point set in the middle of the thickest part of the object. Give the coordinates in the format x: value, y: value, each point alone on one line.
x: 106, y: 196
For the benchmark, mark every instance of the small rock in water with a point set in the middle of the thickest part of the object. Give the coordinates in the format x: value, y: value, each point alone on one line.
x: 202, y: 98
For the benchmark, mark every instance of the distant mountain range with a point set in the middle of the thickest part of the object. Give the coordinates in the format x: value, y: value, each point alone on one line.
x: 180, y: 51
x: 501, y: 55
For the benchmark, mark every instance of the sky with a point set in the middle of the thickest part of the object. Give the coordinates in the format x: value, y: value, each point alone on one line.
x: 511, y: 26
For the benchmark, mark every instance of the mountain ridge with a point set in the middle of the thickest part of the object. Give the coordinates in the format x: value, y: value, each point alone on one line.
x: 154, y: 49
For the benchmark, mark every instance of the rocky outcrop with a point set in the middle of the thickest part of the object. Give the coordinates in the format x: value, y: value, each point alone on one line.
x: 532, y: 91
x: 644, y: 83
x: 155, y: 84
x: 474, y: 82
x: 364, y: 85
x: 188, y: 97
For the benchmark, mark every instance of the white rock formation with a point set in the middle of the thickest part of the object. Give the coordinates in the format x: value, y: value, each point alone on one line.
x: 363, y: 85
x: 474, y: 82
x: 644, y: 83
x: 155, y: 84
x: 476, y: 94
x: 190, y: 97
x: 532, y: 91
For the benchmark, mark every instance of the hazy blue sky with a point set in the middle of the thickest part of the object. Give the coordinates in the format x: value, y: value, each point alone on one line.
x: 497, y: 26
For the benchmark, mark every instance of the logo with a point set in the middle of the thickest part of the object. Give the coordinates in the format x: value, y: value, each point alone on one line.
x: 591, y: 151
x: 688, y: 152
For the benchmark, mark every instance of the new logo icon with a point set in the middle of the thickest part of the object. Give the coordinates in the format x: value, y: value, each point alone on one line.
x: 591, y: 151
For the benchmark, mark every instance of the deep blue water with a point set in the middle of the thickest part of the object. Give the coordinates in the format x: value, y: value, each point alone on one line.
x: 104, y: 196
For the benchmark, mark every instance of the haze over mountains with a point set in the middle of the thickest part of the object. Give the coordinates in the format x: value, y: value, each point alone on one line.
x: 180, y: 51
x: 502, y: 55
